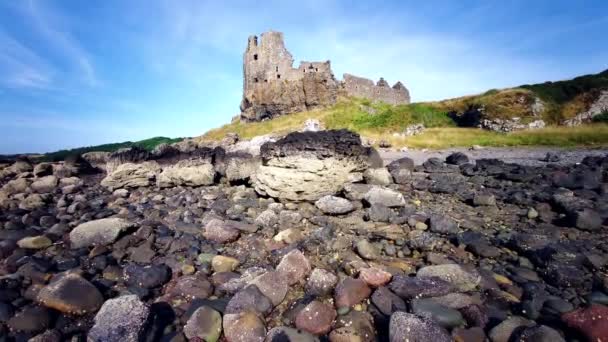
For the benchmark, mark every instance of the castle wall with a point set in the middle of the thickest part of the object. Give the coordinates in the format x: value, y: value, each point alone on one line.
x: 365, y: 88
x: 272, y: 86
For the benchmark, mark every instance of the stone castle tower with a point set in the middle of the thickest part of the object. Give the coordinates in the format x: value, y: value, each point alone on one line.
x: 273, y: 87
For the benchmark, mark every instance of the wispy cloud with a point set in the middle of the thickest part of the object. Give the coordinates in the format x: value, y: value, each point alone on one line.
x: 20, y: 67
x: 53, y: 27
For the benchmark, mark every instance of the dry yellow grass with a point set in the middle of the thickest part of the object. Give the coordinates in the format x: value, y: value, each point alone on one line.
x: 437, y: 138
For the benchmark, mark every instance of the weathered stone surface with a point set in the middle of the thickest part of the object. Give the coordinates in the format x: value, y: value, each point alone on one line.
x: 321, y: 282
x: 334, y: 205
x: 387, y: 302
x: 71, y: 294
x: 377, y: 176
x: 98, y: 232
x: 591, y: 322
x: 272, y: 284
x: 220, y: 231
x: 354, y: 326
x: 129, y: 155
x: 350, y: 292
x: 16, y: 186
x: 34, y: 201
x: 31, y: 319
x: 244, y: 327
x: 241, y: 166
x: 120, y: 319
x: 452, y: 273
x: 45, y: 184
x: 367, y: 250
x: 503, y: 331
x: 191, y: 287
x: 541, y: 333
x: 442, y: 315
x: 221, y: 263
x: 384, y: 196
x: 129, y: 175
x: 443, y: 224
x: 310, y: 165
x: 187, y: 173
x: 408, y: 327
x: 149, y: 276
x: 412, y: 287
x: 294, y: 267
x: 249, y: 299
x: 401, y: 170
x: 34, y: 242
x: 316, y: 318
x: 205, y: 324
x: 288, y: 334
x: 374, y: 277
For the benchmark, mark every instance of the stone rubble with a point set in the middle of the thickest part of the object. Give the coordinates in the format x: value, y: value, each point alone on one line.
x: 452, y: 249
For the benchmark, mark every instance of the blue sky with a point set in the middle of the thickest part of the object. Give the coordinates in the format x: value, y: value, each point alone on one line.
x: 78, y: 73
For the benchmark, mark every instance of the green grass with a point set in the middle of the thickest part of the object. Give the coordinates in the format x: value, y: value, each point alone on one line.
x: 351, y: 115
x: 348, y: 113
x: 561, y: 92
x: 441, y: 133
x: 436, y: 138
x: 148, y: 144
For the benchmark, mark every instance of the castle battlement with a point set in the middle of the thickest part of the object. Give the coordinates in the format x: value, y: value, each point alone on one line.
x: 273, y: 87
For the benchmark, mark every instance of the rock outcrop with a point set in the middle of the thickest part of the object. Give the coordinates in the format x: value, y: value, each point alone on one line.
x: 310, y: 165
x: 599, y: 106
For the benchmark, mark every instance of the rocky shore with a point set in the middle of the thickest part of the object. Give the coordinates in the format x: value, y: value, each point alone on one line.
x: 313, y: 239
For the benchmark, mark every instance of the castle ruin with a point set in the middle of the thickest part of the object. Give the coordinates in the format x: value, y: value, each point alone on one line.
x: 273, y: 87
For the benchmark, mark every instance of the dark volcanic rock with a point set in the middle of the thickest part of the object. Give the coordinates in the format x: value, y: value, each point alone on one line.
x: 148, y: 277
x: 321, y: 145
x: 415, y: 287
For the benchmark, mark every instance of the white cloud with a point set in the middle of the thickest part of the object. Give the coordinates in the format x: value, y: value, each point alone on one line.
x: 54, y: 28
x: 20, y: 67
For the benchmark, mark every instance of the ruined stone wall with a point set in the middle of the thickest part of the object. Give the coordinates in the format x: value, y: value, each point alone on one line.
x: 273, y: 87
x: 381, y: 91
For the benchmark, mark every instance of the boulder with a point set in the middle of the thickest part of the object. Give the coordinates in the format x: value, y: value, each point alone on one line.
x: 384, y: 196
x: 71, y: 294
x: 408, y: 327
x: 377, y: 176
x: 243, y: 327
x: 130, y: 175
x: 591, y: 322
x: 16, y: 186
x: 44, y: 184
x: 454, y: 274
x: 98, y: 232
x: 205, y: 324
x: 240, y: 167
x: 316, y: 318
x: 334, y: 205
x: 43, y: 169
x: 294, y: 267
x: 401, y: 170
x: 305, y: 166
x: 120, y: 319
x: 131, y: 155
x: 188, y: 173
x: 75, y: 165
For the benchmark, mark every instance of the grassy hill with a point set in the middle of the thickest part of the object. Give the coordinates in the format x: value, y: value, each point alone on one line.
x: 378, y: 121
x: 148, y: 144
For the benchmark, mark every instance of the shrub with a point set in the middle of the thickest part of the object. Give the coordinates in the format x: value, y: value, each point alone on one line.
x: 603, y: 117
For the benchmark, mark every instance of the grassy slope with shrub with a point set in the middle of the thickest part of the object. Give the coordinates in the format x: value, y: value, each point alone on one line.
x: 441, y: 133
x: 148, y: 144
